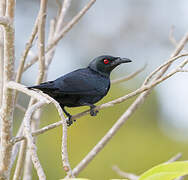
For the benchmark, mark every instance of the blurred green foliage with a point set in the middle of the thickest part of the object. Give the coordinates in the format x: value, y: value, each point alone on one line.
x: 138, y: 146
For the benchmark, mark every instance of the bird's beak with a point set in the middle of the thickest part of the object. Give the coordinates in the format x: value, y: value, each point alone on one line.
x: 124, y: 60
x: 121, y: 60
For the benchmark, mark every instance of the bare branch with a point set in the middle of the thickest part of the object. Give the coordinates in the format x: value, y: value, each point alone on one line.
x: 40, y: 77
x: 182, y: 70
x: 8, y: 97
x: 171, y: 36
x: 174, y: 158
x: 65, y: 160
x: 20, y: 161
x: 143, y: 96
x: 132, y: 108
x: 16, y: 146
x: 59, y: 6
x: 23, y: 109
x: 1, y: 64
x: 31, y: 145
x: 2, y: 13
x: 55, y: 30
x: 26, y: 51
x: 10, y: 7
x: 47, y: 99
x: 119, y: 123
x: 37, y: 132
x: 129, y: 176
x: 56, y: 34
x: 171, y: 60
x: 41, y: 40
x: 63, y: 32
x: 108, y: 104
x: 2, y: 7
x: 50, y: 55
x: 178, y: 49
x: 131, y: 76
x: 22, y: 88
x: 61, y: 18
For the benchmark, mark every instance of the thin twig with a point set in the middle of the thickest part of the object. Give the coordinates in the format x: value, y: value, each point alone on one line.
x: 20, y: 107
x: 177, y: 50
x: 131, y: 76
x: 55, y: 29
x: 64, y: 8
x: 26, y: 51
x: 183, y: 70
x: 41, y: 40
x: 37, y: 132
x: 63, y: 32
x: 59, y: 6
x: 171, y: 60
x: 16, y: 146
x: 50, y: 55
x: 20, y: 161
x: 171, y: 36
x: 174, y: 158
x: 121, y: 173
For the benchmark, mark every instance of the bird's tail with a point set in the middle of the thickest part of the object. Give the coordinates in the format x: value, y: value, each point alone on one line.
x: 47, y: 86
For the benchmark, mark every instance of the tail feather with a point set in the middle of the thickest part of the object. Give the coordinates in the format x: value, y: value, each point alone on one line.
x: 47, y: 86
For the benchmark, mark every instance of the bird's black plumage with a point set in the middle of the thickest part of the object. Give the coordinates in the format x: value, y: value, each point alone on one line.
x: 83, y: 87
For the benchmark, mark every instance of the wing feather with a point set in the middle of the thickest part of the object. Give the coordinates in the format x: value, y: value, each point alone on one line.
x: 82, y: 82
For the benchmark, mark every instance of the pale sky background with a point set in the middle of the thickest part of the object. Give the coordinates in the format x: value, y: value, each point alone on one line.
x: 137, y: 29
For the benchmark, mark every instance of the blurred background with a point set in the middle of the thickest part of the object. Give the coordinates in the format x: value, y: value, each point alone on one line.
x: 135, y: 29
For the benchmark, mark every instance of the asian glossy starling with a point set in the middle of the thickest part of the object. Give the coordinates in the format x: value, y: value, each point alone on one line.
x: 83, y: 87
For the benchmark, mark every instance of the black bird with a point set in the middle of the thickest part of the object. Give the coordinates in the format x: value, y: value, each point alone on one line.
x: 83, y: 87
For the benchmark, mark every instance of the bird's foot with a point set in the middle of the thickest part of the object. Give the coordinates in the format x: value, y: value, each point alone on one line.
x: 70, y: 121
x: 93, y: 111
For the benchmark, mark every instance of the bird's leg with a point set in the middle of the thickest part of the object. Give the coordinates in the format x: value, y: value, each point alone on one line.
x: 93, y: 111
x: 69, y: 121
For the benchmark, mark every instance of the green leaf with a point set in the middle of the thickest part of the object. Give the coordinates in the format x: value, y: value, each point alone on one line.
x: 167, y: 171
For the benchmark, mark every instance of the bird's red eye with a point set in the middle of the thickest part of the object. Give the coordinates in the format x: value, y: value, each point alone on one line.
x: 106, y: 61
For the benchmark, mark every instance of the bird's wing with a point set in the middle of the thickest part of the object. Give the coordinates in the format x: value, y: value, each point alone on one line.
x: 81, y: 82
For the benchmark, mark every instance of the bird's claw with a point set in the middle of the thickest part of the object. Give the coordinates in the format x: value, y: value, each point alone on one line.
x: 93, y: 112
x: 70, y: 121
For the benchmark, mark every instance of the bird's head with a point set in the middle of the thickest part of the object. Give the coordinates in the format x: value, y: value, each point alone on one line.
x: 105, y: 64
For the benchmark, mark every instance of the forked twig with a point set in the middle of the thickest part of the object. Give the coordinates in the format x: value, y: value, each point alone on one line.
x: 63, y: 32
